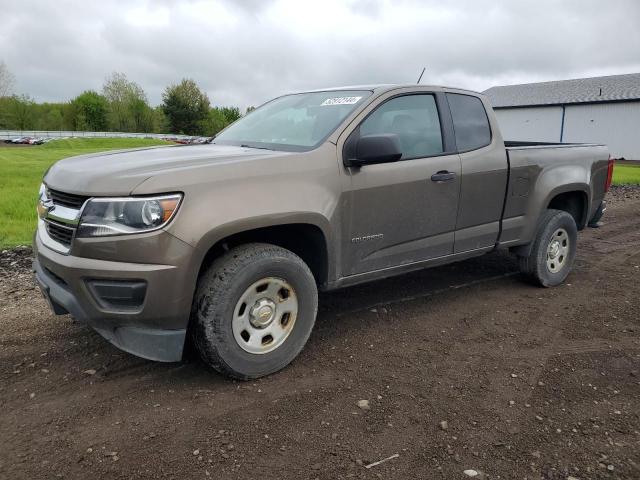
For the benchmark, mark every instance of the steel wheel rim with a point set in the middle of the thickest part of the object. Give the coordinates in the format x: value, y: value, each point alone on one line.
x: 265, y: 315
x: 558, y: 250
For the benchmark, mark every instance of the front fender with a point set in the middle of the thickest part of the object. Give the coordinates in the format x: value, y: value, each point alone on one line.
x: 220, y: 232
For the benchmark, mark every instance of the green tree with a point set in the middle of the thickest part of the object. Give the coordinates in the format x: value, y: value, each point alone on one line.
x: 52, y: 120
x: 231, y: 114
x: 68, y: 116
x: 160, y: 123
x: 186, y: 107
x: 214, y: 122
x: 49, y: 116
x: 141, y: 115
x: 18, y: 112
x: 129, y: 110
x: 5, y: 118
x: 91, y: 110
x: 218, y: 119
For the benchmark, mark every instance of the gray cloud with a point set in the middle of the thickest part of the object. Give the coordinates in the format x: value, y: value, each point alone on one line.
x: 243, y: 53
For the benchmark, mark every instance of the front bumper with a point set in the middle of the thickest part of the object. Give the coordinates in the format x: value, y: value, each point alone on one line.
x: 141, y: 308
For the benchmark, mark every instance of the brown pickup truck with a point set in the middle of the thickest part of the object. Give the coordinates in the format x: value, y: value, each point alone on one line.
x: 226, y: 244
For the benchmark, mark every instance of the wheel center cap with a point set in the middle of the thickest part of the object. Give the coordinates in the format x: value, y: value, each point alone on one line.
x: 554, y: 250
x: 263, y: 312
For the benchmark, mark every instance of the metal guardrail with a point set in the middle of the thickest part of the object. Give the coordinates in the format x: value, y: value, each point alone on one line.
x: 5, y: 134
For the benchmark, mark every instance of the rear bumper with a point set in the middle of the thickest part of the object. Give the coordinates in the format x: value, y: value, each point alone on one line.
x: 142, y: 309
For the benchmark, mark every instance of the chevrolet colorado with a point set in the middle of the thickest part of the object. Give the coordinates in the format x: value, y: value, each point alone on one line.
x: 227, y: 243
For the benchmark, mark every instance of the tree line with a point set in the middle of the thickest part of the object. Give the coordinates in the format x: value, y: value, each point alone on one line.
x: 121, y: 106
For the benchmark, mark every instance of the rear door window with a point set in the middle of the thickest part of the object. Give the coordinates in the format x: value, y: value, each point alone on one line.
x: 414, y: 118
x: 470, y: 122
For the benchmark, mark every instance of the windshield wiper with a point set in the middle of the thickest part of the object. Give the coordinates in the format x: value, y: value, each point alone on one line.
x: 244, y: 145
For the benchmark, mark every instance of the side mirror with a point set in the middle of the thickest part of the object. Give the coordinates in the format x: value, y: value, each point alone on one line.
x: 377, y: 148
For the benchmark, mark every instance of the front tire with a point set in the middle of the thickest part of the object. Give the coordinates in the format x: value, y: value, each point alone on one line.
x: 254, y: 310
x: 553, y: 250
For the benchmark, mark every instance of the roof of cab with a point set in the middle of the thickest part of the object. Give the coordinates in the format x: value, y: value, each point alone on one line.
x: 386, y: 87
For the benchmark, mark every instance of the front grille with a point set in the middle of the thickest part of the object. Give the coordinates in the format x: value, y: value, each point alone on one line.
x: 60, y: 233
x: 67, y: 199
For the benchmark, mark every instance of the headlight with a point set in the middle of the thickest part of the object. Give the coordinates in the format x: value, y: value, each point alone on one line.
x: 41, y: 208
x: 121, y: 216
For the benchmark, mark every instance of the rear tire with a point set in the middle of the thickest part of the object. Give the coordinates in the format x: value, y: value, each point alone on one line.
x: 254, y: 310
x: 553, y: 251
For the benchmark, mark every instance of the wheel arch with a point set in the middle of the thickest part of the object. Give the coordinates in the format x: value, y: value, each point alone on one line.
x: 573, y: 201
x: 308, y: 236
x: 572, y: 198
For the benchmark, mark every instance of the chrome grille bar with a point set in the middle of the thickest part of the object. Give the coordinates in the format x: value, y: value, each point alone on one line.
x: 59, y: 218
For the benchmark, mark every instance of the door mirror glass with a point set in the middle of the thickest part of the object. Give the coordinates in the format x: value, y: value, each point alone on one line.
x: 376, y: 148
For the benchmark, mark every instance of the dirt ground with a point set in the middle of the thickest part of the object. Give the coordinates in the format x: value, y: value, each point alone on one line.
x: 532, y: 383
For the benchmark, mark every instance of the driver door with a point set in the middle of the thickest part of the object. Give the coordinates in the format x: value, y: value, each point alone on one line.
x: 402, y: 212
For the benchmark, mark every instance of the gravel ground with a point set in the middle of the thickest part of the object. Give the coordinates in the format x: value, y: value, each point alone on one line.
x: 456, y: 368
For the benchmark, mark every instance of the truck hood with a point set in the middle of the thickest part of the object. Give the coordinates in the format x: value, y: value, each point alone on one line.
x: 119, y: 172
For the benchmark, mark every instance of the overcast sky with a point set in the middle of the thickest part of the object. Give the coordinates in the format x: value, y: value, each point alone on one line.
x: 245, y: 52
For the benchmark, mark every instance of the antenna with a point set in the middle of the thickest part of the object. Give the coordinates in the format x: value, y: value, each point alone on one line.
x: 420, y: 77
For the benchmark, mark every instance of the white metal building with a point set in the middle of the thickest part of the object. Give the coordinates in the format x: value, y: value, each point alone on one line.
x: 591, y: 110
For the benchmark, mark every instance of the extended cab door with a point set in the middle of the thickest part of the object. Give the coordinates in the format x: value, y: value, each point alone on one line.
x: 404, y: 211
x: 484, y: 173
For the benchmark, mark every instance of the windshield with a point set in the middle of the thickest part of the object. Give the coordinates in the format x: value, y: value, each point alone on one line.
x: 294, y: 122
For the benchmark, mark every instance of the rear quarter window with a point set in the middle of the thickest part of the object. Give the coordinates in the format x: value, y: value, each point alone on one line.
x: 470, y: 122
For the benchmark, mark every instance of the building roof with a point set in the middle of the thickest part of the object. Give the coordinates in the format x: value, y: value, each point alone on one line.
x: 581, y: 90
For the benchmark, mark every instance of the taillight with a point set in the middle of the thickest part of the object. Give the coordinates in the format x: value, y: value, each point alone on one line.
x: 610, y: 165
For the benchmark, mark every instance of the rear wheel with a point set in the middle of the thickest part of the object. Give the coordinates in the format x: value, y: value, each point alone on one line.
x: 254, y: 310
x: 553, y: 250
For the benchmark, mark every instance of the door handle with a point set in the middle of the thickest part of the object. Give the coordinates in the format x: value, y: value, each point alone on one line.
x: 443, y: 176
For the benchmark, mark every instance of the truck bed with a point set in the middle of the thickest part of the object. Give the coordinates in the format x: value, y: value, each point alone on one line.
x: 579, y: 166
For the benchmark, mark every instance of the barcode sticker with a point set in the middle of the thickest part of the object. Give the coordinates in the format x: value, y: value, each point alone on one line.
x: 340, y: 101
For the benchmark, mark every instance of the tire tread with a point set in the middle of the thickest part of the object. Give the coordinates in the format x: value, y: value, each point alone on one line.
x: 213, y: 290
x: 531, y: 265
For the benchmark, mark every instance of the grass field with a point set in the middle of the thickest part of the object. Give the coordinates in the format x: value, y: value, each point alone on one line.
x: 21, y: 170
x: 626, y: 175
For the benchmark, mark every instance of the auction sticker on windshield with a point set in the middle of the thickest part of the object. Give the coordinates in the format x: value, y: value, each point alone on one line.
x: 340, y: 101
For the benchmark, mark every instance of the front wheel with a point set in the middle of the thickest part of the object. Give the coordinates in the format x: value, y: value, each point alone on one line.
x: 553, y: 250
x: 254, y: 310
